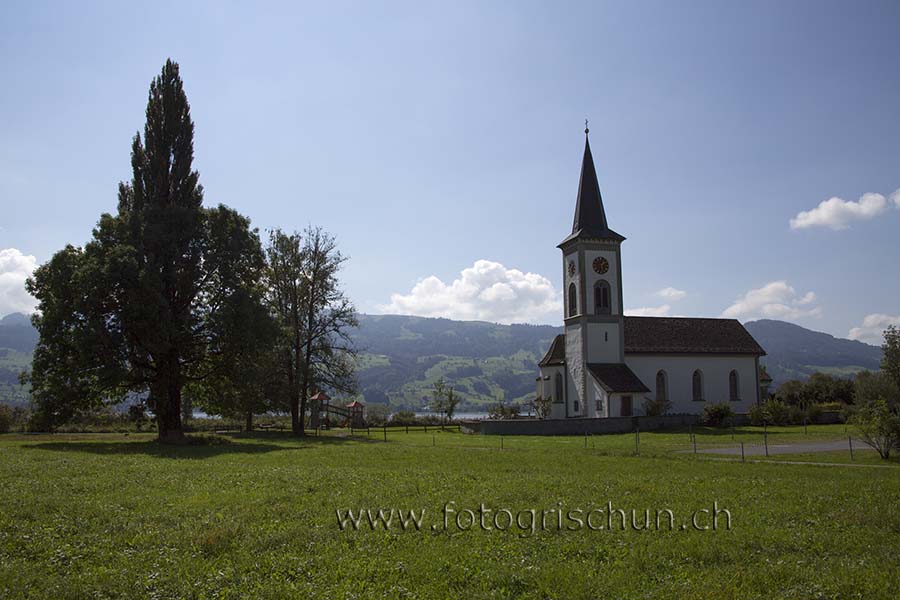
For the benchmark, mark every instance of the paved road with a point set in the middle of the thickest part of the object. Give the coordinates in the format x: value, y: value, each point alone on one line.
x: 785, y: 448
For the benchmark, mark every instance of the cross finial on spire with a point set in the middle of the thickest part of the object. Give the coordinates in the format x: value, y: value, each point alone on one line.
x: 586, y: 130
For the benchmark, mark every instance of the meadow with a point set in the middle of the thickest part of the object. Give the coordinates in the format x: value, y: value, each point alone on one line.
x: 254, y: 516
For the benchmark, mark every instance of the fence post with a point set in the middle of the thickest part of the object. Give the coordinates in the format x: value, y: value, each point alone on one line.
x: 585, y: 439
x: 385, y: 432
x: 501, y: 441
x: 742, y: 451
x: 637, y: 440
x: 407, y: 428
x: 368, y: 431
x: 691, y: 431
x: 433, y: 442
x: 766, y: 441
x: 850, y: 440
x: 805, y: 431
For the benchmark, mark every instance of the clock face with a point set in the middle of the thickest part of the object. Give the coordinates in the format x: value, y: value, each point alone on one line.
x: 601, y: 265
x: 571, y: 268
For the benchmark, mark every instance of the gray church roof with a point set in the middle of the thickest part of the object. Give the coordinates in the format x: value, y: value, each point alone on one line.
x: 617, y: 378
x: 674, y: 335
x: 590, y: 217
x: 556, y: 355
x: 683, y: 335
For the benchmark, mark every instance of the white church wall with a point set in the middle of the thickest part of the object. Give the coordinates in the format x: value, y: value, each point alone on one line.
x: 575, y: 366
x: 604, y: 343
x: 548, y: 389
x: 680, y: 369
x: 598, y: 404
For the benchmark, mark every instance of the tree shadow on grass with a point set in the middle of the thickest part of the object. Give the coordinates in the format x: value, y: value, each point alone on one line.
x: 257, y: 443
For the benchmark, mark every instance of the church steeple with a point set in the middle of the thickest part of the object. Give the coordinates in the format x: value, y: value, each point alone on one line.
x: 590, y: 217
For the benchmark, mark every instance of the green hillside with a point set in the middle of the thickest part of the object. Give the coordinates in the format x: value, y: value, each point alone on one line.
x: 17, y: 341
x: 794, y: 352
x: 401, y: 357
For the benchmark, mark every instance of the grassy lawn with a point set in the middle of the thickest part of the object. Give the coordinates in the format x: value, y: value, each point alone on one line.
x: 110, y: 516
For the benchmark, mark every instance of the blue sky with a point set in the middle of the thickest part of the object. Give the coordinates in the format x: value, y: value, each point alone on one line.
x: 441, y: 143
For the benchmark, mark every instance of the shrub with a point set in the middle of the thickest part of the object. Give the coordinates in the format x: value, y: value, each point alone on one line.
x: 6, y: 418
x: 795, y: 415
x: 717, y: 414
x: 757, y: 415
x: 813, y: 413
x: 655, y: 407
x: 376, y: 415
x: 502, y: 411
x: 775, y: 412
x: 878, y: 425
x: 430, y: 419
x: 542, y: 406
x: 403, y: 417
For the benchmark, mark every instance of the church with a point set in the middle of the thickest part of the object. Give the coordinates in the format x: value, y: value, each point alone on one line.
x: 609, y: 365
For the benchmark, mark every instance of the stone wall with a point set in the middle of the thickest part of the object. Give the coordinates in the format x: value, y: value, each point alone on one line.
x: 576, y: 426
x: 600, y: 426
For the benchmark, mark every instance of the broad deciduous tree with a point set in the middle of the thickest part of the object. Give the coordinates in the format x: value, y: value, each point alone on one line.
x: 316, y: 317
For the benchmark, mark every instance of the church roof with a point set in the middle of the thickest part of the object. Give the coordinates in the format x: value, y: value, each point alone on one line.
x: 556, y: 355
x: 673, y: 335
x: 590, y: 217
x: 616, y: 378
x: 682, y: 335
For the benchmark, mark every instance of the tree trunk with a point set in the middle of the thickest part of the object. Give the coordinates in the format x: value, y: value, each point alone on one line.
x: 168, y: 407
x: 249, y: 422
x: 296, y: 428
x: 304, y: 386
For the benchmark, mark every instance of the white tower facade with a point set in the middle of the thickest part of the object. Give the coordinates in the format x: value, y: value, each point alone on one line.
x: 592, y: 297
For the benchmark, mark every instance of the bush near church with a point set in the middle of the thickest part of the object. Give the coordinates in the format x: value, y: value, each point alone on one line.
x: 717, y: 415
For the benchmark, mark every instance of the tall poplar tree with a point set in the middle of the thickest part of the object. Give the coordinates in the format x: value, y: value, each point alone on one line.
x: 135, y: 310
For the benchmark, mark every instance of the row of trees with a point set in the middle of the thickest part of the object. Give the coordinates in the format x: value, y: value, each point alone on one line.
x: 818, y: 389
x: 171, y: 302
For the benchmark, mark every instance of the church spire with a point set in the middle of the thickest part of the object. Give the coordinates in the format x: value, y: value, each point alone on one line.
x: 590, y: 218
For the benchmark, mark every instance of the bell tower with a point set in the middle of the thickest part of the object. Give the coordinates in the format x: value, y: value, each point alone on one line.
x: 592, y: 287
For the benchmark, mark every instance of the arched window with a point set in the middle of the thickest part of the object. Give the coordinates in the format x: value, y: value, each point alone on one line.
x: 573, y: 300
x: 698, y: 386
x: 662, y: 392
x: 601, y: 297
x: 559, y: 388
x: 733, y: 386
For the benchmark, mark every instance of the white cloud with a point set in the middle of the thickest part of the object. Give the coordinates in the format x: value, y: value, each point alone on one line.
x: 15, y: 268
x: 836, y: 213
x: 775, y: 300
x: 872, y: 327
x: 486, y: 291
x: 671, y: 293
x: 649, y: 311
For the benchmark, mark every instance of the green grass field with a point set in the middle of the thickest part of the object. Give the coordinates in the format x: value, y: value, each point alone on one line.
x: 112, y: 516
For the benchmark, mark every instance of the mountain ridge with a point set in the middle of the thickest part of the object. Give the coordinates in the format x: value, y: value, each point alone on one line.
x: 400, y: 357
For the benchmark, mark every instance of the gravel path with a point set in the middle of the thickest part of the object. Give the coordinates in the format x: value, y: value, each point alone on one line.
x: 786, y: 448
